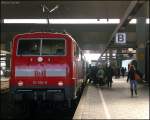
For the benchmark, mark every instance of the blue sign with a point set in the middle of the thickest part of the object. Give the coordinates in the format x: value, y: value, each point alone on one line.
x: 120, y: 38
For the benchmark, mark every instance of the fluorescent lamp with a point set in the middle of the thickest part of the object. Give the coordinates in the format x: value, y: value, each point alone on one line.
x: 84, y: 21
x: 147, y: 21
x: 104, y: 54
x: 63, y: 21
x: 133, y: 21
x: 130, y: 49
x: 111, y: 21
x: 114, y: 54
x: 31, y: 21
x: 69, y: 21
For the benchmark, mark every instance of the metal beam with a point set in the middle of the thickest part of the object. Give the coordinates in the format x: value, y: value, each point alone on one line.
x: 128, y: 45
x: 130, y: 12
x: 69, y: 27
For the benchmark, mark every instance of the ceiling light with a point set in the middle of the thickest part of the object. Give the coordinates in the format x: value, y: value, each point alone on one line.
x: 29, y: 21
x: 147, y: 21
x: 130, y: 49
x: 133, y: 21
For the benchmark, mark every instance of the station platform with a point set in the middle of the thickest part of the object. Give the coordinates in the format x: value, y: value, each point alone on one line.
x: 100, y: 102
x: 4, y: 84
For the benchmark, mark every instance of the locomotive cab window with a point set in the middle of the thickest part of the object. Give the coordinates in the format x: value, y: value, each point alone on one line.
x: 41, y: 47
x: 29, y: 47
x: 53, y: 47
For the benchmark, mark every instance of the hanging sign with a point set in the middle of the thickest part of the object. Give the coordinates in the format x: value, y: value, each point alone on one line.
x: 120, y: 38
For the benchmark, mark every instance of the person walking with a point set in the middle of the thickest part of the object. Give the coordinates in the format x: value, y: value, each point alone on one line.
x: 133, y: 82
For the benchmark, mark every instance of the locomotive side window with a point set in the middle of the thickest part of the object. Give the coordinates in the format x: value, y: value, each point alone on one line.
x: 29, y: 47
x: 76, y: 51
x: 53, y: 47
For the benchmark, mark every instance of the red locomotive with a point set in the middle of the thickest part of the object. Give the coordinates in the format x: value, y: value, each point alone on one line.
x: 47, y: 66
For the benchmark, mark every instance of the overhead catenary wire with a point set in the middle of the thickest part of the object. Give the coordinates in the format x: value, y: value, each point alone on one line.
x: 45, y: 8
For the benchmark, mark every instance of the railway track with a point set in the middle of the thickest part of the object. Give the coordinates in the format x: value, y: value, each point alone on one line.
x: 41, y: 110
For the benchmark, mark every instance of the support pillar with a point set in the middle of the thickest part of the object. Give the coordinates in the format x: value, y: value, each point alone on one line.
x: 118, y: 58
x: 110, y: 55
x: 7, y: 48
x: 141, y: 39
x: 107, y: 60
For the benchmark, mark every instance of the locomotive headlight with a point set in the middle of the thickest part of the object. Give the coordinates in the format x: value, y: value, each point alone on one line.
x: 39, y: 59
x: 20, y: 83
x: 60, y: 83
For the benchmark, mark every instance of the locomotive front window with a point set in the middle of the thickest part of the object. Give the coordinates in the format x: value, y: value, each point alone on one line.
x: 41, y: 47
x: 29, y: 47
x: 53, y: 47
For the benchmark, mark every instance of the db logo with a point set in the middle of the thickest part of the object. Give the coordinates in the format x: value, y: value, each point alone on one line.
x: 40, y: 73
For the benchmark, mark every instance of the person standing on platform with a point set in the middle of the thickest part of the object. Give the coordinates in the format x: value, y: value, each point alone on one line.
x: 125, y: 71
x: 109, y: 76
x: 133, y: 82
x: 118, y: 70
x: 100, y: 76
x: 93, y: 74
x: 122, y: 71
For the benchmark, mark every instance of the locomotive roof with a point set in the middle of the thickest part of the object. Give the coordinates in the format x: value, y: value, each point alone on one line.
x: 56, y: 33
x: 46, y: 33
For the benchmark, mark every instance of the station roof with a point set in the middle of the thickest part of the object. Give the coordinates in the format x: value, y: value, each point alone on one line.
x: 92, y: 37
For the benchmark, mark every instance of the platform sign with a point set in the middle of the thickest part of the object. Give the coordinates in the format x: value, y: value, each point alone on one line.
x: 120, y: 38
